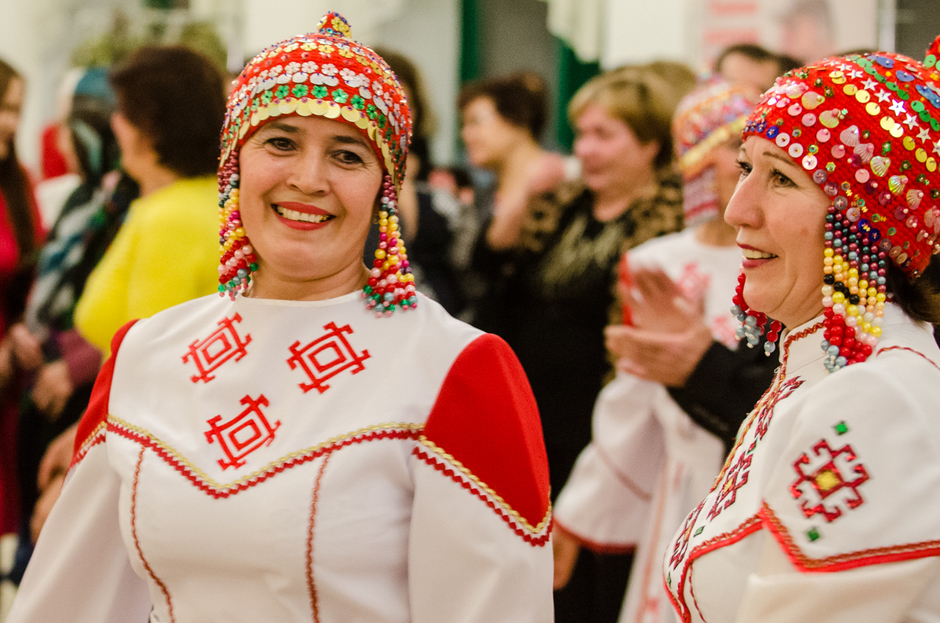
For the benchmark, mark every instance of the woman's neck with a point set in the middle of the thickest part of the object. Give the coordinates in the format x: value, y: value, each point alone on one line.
x: 513, y: 172
x: 716, y: 233
x: 155, y: 177
x: 272, y: 285
x: 613, y: 200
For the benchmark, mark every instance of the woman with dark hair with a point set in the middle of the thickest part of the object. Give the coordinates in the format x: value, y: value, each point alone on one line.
x: 322, y: 442
x: 20, y: 236
x: 170, y: 108
x: 825, y: 509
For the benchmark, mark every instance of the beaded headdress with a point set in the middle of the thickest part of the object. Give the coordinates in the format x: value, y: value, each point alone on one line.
x: 706, y: 119
x: 324, y: 73
x: 867, y: 130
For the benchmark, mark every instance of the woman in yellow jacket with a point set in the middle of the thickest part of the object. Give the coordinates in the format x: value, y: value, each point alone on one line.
x: 170, y: 110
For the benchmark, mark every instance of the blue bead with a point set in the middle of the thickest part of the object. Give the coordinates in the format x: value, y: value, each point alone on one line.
x: 833, y: 350
x: 751, y: 321
x: 824, y: 345
x: 841, y: 361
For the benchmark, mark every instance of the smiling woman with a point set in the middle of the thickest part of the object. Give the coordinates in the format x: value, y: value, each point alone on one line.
x: 820, y: 511
x: 287, y: 451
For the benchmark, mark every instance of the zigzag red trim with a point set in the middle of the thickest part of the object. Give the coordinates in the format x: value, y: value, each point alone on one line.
x: 842, y: 562
x: 910, y: 350
x: 86, y: 447
x: 436, y: 463
x: 217, y: 493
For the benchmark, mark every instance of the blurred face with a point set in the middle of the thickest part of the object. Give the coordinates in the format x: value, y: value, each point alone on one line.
x: 611, y: 156
x: 779, y: 214
x: 308, y: 189
x: 137, y: 152
x: 488, y: 137
x: 727, y: 172
x: 740, y: 69
x: 10, y: 107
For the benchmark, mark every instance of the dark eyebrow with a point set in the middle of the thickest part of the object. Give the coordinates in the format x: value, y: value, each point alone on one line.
x: 783, y: 159
x: 282, y: 126
x: 345, y: 139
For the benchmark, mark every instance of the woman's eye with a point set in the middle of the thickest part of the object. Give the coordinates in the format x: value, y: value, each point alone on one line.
x: 744, y: 168
x: 348, y: 157
x: 780, y: 179
x: 280, y: 143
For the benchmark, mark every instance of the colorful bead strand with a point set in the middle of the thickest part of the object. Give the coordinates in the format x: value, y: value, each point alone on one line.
x: 391, y: 282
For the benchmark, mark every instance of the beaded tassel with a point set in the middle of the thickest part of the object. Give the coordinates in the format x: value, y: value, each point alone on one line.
x: 391, y: 282
x: 752, y: 322
x: 237, y: 260
x: 854, y: 290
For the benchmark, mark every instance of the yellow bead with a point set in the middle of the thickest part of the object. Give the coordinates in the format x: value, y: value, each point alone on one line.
x: 880, y: 297
x: 872, y: 292
x: 879, y: 307
x: 393, y: 227
x: 383, y: 214
x: 380, y: 254
x: 866, y: 327
x: 240, y: 232
x: 852, y: 310
x: 828, y: 252
x: 827, y: 261
x: 837, y: 269
x: 876, y: 331
x: 838, y: 297
x: 383, y: 222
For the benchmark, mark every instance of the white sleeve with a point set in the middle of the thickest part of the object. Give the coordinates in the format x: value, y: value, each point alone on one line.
x: 606, y: 501
x: 479, y: 549
x: 851, y: 532
x: 80, y: 571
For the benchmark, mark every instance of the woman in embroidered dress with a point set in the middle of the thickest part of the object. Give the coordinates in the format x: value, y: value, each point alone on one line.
x: 291, y: 451
x: 824, y: 509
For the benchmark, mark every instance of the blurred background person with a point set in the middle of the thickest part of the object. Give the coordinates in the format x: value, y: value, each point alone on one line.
x: 554, y: 289
x: 649, y: 460
x: 170, y: 107
x: 429, y: 215
x: 502, y: 120
x: 62, y: 364
x: 21, y: 235
x: 752, y: 65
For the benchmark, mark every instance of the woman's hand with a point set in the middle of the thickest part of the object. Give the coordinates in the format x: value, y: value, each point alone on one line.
x: 669, y: 335
x: 26, y: 348
x: 44, y: 504
x: 52, y: 389
x: 545, y: 174
x: 566, y: 549
x: 57, y: 458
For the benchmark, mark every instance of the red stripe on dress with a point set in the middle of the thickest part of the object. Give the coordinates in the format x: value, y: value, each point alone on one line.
x: 153, y: 576
x: 311, y: 586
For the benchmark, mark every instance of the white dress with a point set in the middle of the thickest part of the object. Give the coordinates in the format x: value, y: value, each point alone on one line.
x: 263, y: 460
x: 648, y: 463
x: 828, y: 507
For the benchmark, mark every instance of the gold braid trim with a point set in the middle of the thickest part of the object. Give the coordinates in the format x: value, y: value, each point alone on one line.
x: 334, y: 441
x: 430, y: 445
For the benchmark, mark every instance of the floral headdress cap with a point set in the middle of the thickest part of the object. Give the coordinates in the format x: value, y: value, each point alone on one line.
x: 705, y: 119
x: 328, y: 74
x: 867, y: 129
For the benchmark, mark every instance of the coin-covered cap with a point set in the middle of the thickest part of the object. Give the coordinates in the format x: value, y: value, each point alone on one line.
x: 867, y: 129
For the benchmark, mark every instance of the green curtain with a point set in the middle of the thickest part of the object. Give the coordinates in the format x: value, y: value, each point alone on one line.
x: 572, y: 74
x: 471, y: 49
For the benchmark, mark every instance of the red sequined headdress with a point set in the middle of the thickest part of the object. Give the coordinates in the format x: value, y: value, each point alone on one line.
x: 324, y: 73
x: 867, y: 130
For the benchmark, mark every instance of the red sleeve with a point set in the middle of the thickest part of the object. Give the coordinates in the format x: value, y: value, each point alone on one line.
x: 97, y: 412
x: 486, y: 418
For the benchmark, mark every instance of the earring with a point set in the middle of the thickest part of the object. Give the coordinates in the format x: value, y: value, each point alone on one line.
x: 238, y: 260
x: 391, y: 282
x: 753, y: 323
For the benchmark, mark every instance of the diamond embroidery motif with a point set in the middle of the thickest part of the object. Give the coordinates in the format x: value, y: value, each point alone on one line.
x: 223, y: 345
x: 828, y: 481
x: 325, y: 357
x: 244, y: 433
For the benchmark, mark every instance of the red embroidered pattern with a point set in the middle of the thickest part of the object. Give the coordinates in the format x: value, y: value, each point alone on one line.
x: 311, y: 586
x: 224, y: 344
x: 96, y: 437
x: 244, y: 433
x: 140, y: 552
x: 851, y: 560
x: 325, y: 357
x: 823, y: 488
x: 910, y: 350
x: 434, y: 461
x: 734, y: 478
x: 216, y: 490
x: 766, y: 411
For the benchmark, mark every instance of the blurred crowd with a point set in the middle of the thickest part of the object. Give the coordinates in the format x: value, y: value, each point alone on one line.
x: 533, y: 251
